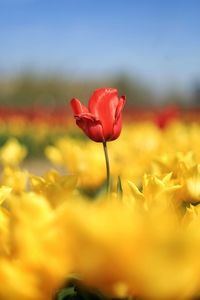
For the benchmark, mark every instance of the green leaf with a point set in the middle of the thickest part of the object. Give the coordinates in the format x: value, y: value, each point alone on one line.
x: 66, y: 292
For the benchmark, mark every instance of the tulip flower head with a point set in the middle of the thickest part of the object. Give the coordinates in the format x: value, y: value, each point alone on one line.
x: 166, y: 115
x: 102, y: 120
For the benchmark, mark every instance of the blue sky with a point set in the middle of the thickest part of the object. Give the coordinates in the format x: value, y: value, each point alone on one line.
x: 156, y: 40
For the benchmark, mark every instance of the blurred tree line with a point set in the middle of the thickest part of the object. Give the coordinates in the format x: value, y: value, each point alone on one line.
x: 31, y: 90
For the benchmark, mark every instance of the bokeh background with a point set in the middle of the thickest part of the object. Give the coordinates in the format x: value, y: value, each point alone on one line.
x: 51, y: 173
x: 51, y: 51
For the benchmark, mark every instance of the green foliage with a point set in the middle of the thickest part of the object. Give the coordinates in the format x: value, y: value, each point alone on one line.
x: 96, y: 192
x: 33, y: 89
x: 75, y: 291
x: 67, y: 293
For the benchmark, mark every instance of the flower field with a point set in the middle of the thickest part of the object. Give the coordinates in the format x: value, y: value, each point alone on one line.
x: 64, y: 237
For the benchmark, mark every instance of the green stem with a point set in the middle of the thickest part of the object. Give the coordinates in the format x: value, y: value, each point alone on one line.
x: 107, y: 166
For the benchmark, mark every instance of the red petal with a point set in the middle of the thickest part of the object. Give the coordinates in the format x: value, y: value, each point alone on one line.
x: 120, y: 106
x: 78, y: 107
x: 118, y: 119
x: 92, y: 127
x: 103, y: 104
x: 95, y: 131
x: 86, y: 115
x: 116, y: 129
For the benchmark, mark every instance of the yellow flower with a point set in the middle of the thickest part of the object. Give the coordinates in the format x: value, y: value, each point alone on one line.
x: 192, y: 214
x: 81, y: 159
x: 192, y: 184
x: 15, y: 179
x: 156, y: 192
x: 12, y: 153
x: 37, y: 263
x: 55, y: 187
x: 18, y: 282
x: 4, y: 193
x: 128, y: 253
x: 4, y: 221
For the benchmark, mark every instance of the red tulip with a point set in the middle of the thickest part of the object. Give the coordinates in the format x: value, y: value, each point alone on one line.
x: 102, y: 120
x: 166, y: 115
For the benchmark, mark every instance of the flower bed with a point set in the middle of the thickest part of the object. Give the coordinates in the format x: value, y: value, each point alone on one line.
x: 64, y: 237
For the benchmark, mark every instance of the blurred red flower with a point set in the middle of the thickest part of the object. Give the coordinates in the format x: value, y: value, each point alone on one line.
x: 166, y: 115
x: 102, y: 120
